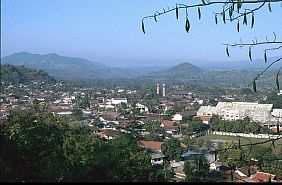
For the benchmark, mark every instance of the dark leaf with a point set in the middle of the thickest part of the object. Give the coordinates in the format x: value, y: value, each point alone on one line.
x: 245, y: 19
x: 199, y: 12
x: 253, y: 20
x: 230, y: 11
x: 277, y: 81
x: 227, y: 52
x: 254, y: 86
x: 233, y: 7
x: 269, y: 7
x: 155, y: 17
x: 250, y: 54
x: 176, y: 10
x: 143, y: 27
x: 265, y: 57
x: 223, y: 16
x: 239, y: 4
x: 187, y: 25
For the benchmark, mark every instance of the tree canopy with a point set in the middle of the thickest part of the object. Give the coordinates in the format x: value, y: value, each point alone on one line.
x: 171, y: 149
x: 44, y: 147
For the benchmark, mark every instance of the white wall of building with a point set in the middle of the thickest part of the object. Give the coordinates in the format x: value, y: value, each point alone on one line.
x: 115, y: 101
x: 238, y: 110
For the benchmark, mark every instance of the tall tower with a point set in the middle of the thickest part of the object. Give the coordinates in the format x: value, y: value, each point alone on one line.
x: 163, y: 89
x: 158, y: 88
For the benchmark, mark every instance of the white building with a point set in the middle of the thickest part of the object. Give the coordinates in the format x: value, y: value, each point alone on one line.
x: 206, y: 111
x: 67, y: 100
x: 276, y: 115
x: 176, y: 117
x: 238, y: 110
x: 66, y: 113
x: 142, y: 108
x: 115, y: 101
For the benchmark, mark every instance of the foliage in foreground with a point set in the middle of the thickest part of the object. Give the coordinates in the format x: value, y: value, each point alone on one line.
x: 42, y: 147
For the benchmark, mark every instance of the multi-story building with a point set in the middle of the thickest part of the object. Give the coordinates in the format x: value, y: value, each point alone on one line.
x: 238, y: 110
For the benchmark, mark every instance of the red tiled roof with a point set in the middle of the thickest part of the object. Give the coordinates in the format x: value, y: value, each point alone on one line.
x: 185, y: 125
x: 154, y: 145
x: 107, y: 132
x: 205, y: 118
x: 169, y: 124
x: 275, y: 129
x: 183, y: 145
x: 261, y: 176
x: 100, y: 134
x: 10, y: 97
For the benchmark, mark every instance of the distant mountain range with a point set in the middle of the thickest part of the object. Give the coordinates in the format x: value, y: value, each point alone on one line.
x: 62, y: 67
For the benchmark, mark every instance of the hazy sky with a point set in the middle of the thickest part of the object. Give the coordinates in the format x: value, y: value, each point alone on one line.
x: 109, y: 31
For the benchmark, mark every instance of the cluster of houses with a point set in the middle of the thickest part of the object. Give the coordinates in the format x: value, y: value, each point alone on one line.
x: 112, y: 123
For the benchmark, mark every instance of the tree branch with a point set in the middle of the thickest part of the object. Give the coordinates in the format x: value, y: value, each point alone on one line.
x: 261, y: 73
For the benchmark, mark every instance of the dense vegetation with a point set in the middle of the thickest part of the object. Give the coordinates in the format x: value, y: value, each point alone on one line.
x: 20, y: 74
x: 43, y: 147
x: 241, y: 126
x: 274, y: 99
x: 236, y: 156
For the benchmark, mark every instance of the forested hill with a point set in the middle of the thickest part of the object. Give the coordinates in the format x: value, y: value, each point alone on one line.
x: 180, y: 71
x: 21, y: 74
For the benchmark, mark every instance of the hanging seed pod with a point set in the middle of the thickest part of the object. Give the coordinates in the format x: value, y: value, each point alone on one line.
x: 227, y: 51
x: 239, y: 4
x: 230, y: 11
x: 254, y: 86
x: 265, y: 57
x: 199, y: 13
x: 238, y: 26
x: 176, y: 10
x: 253, y: 20
x: 143, y: 27
x: 187, y: 25
x: 250, y: 54
x: 233, y: 8
x: 277, y: 81
x: 245, y: 19
x: 215, y: 18
x: 223, y: 16
x: 269, y: 7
